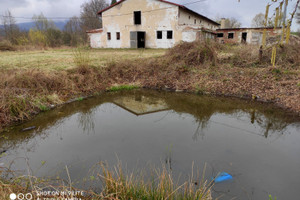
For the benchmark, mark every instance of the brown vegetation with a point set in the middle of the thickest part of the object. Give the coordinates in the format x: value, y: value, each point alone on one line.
x: 192, y: 67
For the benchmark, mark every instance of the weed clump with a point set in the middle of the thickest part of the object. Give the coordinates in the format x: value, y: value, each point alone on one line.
x: 81, y: 57
x: 121, y: 185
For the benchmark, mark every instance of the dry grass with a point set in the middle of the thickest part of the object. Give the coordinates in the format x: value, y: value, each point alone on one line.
x: 25, y: 92
x: 61, y: 59
x: 117, y: 185
x: 161, y: 185
x: 287, y: 57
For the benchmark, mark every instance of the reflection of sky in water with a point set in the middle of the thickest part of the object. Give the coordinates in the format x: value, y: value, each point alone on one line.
x: 261, y: 150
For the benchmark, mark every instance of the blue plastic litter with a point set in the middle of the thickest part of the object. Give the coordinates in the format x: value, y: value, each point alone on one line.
x: 223, y: 176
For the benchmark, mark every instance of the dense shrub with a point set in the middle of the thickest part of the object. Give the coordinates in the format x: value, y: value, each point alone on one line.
x: 37, y: 38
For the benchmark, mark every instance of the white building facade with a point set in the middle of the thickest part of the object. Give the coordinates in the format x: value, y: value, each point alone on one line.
x: 149, y: 24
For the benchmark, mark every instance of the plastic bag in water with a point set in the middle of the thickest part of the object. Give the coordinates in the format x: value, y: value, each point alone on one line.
x: 223, y: 176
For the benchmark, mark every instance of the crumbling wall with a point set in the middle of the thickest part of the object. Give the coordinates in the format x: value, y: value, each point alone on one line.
x: 95, y: 40
x: 254, y: 35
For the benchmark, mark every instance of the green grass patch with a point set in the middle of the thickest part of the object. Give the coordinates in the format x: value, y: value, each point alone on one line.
x: 123, y: 87
x: 44, y: 108
x: 80, y: 99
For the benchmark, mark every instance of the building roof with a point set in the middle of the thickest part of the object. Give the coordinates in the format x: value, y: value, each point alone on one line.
x: 95, y: 31
x: 181, y: 6
x: 189, y: 28
x: 256, y: 28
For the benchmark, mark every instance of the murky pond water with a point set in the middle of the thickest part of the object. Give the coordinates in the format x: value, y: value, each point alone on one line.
x: 257, y: 144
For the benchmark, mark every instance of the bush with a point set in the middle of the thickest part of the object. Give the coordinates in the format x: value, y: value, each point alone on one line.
x: 54, y: 37
x: 37, y: 38
x: 5, y: 45
x: 22, y: 40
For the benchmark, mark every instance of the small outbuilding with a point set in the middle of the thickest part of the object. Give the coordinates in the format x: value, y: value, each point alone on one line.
x: 246, y: 35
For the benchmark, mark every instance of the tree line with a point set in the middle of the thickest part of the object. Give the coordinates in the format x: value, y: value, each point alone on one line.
x: 46, y: 34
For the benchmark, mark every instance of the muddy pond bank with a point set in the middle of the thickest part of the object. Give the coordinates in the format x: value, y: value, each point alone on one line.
x: 190, y: 67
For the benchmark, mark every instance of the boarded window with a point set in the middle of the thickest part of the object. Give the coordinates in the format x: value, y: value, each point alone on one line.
x: 230, y: 35
x: 220, y: 35
x: 137, y: 17
x: 108, y: 36
x: 118, y: 36
x: 169, y: 34
x: 159, y: 34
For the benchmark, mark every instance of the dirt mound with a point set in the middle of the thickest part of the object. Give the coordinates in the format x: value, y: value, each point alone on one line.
x: 195, y: 53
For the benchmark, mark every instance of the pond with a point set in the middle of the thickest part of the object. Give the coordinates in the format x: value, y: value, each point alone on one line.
x: 256, y: 143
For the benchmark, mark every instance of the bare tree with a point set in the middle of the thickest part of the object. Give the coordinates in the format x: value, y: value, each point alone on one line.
x: 42, y: 23
x: 10, y: 29
x: 258, y: 20
x: 230, y: 22
x: 73, y: 25
x: 73, y: 32
x: 233, y: 23
x: 89, y: 14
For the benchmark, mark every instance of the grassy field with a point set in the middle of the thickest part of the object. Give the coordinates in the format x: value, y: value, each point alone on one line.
x: 60, y: 59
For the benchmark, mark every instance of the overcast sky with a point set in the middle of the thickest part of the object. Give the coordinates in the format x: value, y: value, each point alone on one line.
x: 244, y: 11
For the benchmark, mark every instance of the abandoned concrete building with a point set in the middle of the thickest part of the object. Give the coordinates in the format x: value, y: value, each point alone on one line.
x: 150, y: 24
x: 246, y: 35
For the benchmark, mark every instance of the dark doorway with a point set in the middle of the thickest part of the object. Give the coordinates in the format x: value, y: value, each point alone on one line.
x: 141, y: 36
x: 137, y: 39
x: 244, y: 37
